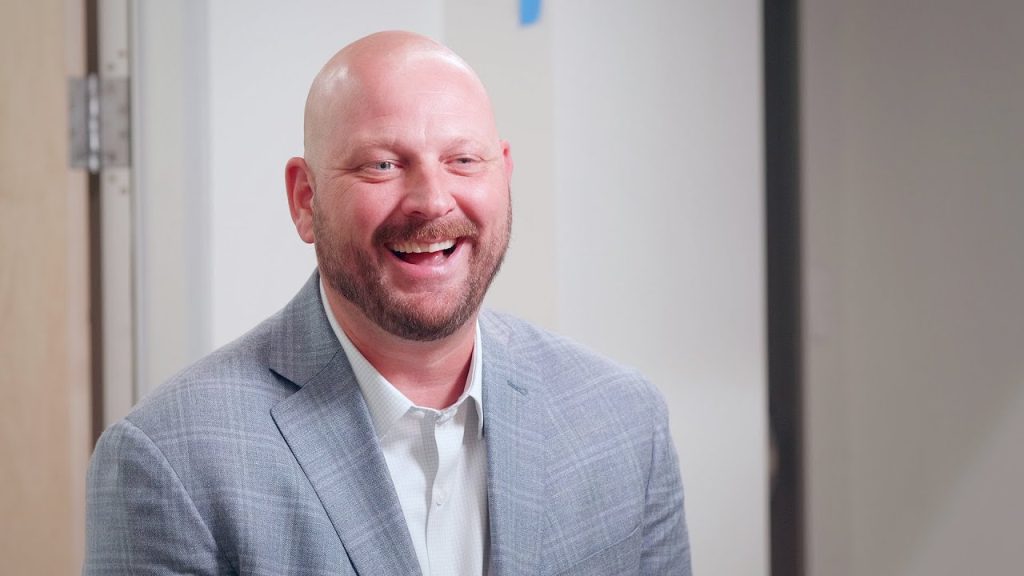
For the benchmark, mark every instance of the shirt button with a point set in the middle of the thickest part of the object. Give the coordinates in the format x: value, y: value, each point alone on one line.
x: 439, y: 497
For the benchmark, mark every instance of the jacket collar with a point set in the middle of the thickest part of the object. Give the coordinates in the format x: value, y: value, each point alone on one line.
x: 328, y: 427
x: 514, y: 425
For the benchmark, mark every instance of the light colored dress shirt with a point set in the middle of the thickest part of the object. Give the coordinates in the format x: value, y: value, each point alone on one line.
x: 437, y: 460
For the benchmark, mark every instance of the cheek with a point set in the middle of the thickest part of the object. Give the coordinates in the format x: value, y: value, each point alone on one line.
x: 500, y: 210
x: 356, y: 216
x: 488, y: 202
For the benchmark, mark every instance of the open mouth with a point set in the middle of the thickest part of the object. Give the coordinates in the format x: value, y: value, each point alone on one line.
x: 424, y: 252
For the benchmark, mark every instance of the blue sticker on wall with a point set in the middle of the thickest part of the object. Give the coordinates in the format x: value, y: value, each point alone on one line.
x: 529, y: 11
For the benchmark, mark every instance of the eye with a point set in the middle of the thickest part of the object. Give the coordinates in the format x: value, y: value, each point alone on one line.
x: 466, y: 164
x: 378, y: 170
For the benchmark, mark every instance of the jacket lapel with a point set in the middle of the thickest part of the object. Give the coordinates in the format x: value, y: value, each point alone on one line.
x: 513, y: 428
x: 328, y: 428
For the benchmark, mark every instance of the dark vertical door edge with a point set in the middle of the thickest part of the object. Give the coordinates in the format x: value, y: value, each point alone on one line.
x: 782, y: 229
x: 92, y: 66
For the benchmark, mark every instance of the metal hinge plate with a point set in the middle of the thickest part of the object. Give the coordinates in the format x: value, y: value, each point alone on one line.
x: 100, y: 122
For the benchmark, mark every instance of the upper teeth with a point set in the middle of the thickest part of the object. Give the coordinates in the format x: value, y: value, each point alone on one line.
x: 416, y: 247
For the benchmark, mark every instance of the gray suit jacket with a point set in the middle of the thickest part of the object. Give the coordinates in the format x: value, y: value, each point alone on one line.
x: 262, y: 459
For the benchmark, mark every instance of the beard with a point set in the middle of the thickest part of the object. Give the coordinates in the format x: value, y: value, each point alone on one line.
x: 359, y: 278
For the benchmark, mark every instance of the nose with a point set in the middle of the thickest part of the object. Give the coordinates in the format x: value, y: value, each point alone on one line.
x: 427, y: 195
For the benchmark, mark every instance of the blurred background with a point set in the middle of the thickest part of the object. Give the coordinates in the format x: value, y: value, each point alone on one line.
x: 804, y: 221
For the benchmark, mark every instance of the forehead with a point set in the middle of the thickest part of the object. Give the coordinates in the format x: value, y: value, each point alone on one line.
x: 403, y: 103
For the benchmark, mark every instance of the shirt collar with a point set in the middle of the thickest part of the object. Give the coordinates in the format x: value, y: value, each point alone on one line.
x: 386, y: 404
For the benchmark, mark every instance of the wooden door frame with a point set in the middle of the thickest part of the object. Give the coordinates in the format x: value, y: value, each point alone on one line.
x: 45, y: 393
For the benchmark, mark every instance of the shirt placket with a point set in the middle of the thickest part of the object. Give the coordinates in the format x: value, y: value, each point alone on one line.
x: 444, y: 538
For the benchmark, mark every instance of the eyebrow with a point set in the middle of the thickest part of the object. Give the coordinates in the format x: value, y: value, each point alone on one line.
x: 361, y: 143
x: 463, y: 142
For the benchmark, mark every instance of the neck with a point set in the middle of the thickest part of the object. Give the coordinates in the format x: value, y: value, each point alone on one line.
x: 430, y: 374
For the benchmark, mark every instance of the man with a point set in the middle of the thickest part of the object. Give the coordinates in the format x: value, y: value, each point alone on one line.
x: 381, y: 423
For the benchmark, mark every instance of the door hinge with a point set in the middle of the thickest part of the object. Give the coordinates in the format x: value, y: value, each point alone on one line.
x: 100, y: 122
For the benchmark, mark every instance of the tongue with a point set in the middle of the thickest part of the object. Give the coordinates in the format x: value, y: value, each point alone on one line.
x: 424, y: 258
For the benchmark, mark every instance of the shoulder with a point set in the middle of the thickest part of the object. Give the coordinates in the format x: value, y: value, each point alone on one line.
x: 605, y: 436
x: 207, y: 423
x: 573, y: 376
x: 228, y: 387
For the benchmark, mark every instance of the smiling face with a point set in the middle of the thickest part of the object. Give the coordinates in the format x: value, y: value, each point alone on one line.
x: 410, y: 210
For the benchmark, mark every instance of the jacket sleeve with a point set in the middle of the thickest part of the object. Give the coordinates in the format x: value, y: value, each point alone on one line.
x: 139, y: 517
x: 666, y: 544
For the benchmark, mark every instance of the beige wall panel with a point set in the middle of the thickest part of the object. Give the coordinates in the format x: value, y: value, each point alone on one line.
x: 913, y: 126
x: 44, y: 382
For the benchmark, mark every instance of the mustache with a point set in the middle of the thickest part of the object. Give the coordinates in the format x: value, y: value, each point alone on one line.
x: 424, y: 231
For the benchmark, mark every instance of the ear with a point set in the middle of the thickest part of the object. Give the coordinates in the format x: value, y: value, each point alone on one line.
x: 506, y: 156
x: 298, y: 180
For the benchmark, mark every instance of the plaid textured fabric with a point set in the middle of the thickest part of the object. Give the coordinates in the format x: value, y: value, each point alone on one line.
x: 262, y: 459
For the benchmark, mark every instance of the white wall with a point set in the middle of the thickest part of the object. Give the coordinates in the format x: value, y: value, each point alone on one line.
x: 170, y: 162
x: 914, y: 213
x: 637, y: 200
x: 660, y: 243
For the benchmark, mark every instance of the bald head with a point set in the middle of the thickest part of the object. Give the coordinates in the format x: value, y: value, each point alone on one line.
x: 404, y: 188
x: 370, y: 67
